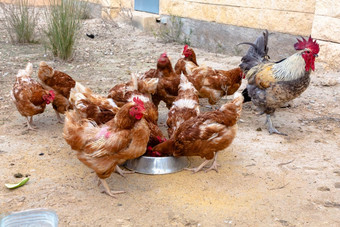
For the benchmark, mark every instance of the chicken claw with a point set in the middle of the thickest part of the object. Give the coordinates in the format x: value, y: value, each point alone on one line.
x: 214, y: 165
x: 271, y: 127
x: 122, y: 172
x: 30, y: 124
x: 195, y: 170
x: 59, y: 120
x: 107, y: 189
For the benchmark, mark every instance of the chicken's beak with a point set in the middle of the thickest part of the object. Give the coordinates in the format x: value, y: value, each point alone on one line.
x: 316, y: 55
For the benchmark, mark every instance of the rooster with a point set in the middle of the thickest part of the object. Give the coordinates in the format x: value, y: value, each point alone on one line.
x: 102, y: 148
x: 205, y: 135
x: 185, y: 106
x: 188, y: 63
x: 61, y: 83
x: 270, y: 85
x: 167, y: 88
x: 29, y: 96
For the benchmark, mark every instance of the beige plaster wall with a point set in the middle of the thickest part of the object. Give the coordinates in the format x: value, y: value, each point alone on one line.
x: 287, y: 16
x: 43, y: 2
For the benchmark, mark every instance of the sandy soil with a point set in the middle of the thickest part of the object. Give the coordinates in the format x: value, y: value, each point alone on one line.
x: 264, y: 180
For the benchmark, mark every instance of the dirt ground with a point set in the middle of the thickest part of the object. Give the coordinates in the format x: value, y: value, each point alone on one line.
x: 264, y: 180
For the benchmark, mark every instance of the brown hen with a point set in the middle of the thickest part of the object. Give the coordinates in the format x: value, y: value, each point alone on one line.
x: 29, y: 96
x: 102, y: 148
x: 205, y: 135
x: 60, y: 83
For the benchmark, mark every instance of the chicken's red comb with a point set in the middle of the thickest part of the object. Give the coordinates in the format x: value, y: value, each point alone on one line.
x: 164, y: 55
x: 138, y: 102
x: 186, y: 47
x: 52, y: 94
x: 161, y: 140
x: 310, y: 43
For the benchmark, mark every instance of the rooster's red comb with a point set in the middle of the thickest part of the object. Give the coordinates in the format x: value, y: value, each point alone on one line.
x: 186, y: 47
x: 310, y: 43
x: 138, y: 102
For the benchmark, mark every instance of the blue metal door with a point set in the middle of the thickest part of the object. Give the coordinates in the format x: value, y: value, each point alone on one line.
x: 150, y: 6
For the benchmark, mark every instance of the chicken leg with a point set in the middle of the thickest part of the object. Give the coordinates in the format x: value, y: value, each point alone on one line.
x: 107, y: 189
x: 195, y: 170
x: 30, y: 123
x: 122, y: 172
x: 214, y: 165
x: 271, y: 127
x: 58, y: 117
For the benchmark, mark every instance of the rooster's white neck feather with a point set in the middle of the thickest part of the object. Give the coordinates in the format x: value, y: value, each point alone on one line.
x: 291, y: 68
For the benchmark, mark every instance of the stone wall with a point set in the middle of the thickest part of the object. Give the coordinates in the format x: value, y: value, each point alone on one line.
x: 326, y: 27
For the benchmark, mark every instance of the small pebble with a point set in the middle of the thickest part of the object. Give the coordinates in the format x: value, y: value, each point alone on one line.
x: 18, y: 175
x: 41, y: 154
x: 323, y: 189
x: 337, y: 185
x: 329, y: 83
x: 259, y: 129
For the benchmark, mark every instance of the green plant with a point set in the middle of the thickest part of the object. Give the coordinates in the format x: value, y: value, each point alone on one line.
x: 85, y: 10
x: 172, y: 31
x: 219, y: 47
x: 63, y: 24
x: 20, y: 21
x: 237, y: 50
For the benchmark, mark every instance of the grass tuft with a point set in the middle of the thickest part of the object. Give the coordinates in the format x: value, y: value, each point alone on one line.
x: 63, y: 25
x: 173, y: 31
x: 20, y: 21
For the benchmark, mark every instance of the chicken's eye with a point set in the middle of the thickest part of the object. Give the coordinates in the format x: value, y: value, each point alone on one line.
x: 308, y: 52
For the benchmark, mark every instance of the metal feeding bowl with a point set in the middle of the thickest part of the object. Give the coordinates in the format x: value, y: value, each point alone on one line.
x: 157, y: 165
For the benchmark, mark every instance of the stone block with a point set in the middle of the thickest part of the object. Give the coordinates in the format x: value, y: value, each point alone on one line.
x: 328, y: 8
x: 326, y: 28
x: 329, y: 55
x: 297, y: 23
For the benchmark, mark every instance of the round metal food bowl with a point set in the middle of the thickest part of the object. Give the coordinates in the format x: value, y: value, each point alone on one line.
x: 157, y: 165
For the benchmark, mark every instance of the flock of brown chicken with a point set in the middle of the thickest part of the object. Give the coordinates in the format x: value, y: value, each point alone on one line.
x: 107, y: 131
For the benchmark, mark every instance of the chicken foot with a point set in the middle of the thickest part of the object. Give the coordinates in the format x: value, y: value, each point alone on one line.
x: 107, y: 189
x: 214, y: 165
x: 58, y: 117
x: 195, y: 170
x: 271, y: 127
x: 30, y: 124
x: 122, y: 172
